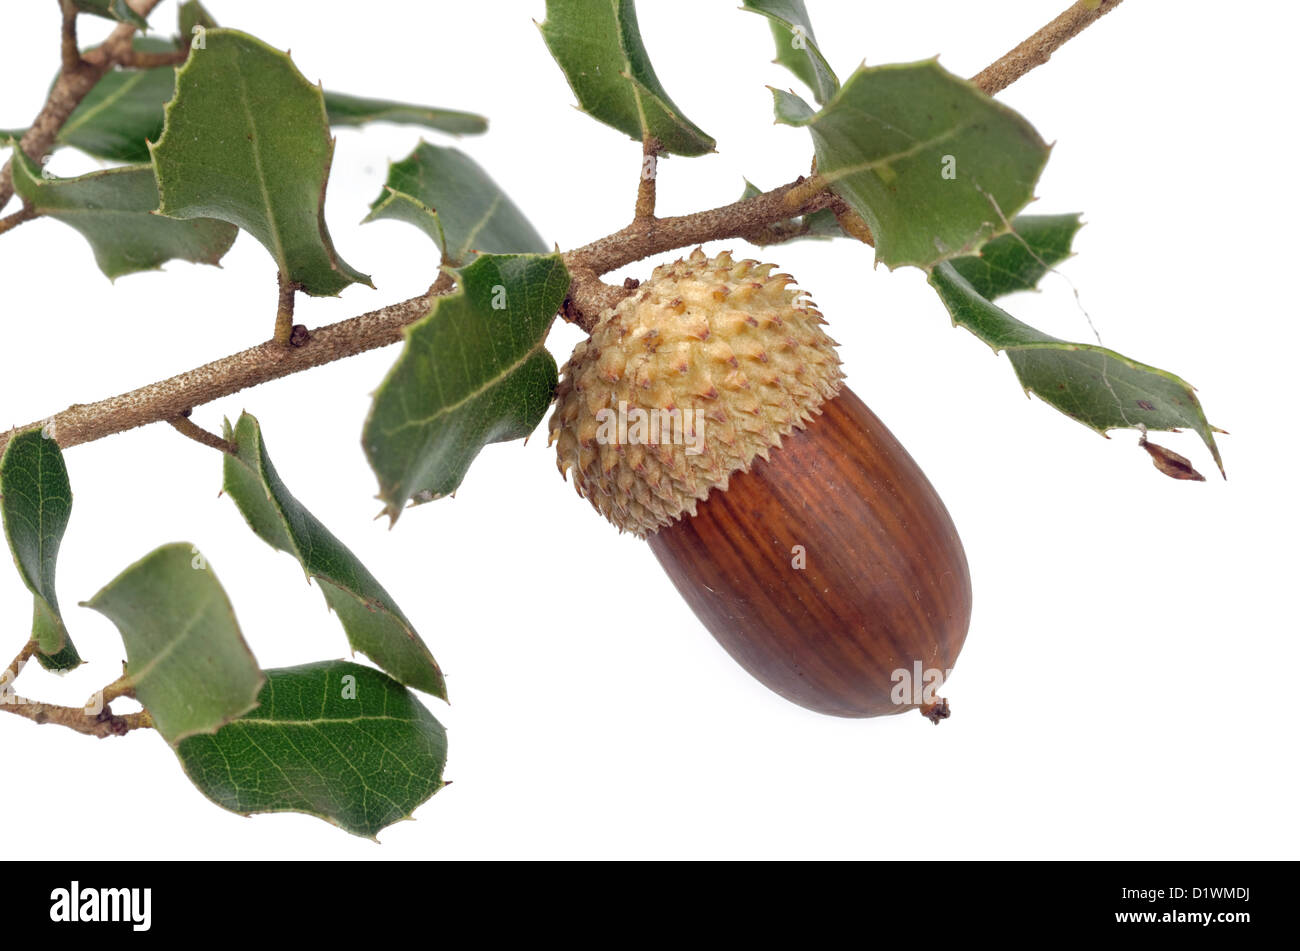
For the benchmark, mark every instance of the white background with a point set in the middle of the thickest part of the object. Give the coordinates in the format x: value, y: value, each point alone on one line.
x: 1125, y: 689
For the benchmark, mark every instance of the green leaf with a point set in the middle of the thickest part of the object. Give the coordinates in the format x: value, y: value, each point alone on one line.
x: 932, y: 164
x: 355, y: 110
x: 192, y: 14
x: 448, y: 196
x: 598, y: 46
x: 1018, y: 261
x: 335, y: 740
x: 113, y: 210
x: 791, y: 108
x: 246, y: 141
x: 118, y: 10
x: 473, y: 371
x: 185, y: 656
x: 1100, y: 388
x: 817, y: 226
x: 796, y: 46
x: 373, y: 622
x: 35, y: 502
x: 123, y: 111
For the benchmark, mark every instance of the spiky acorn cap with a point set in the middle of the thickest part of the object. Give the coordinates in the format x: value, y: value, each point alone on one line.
x: 739, y: 353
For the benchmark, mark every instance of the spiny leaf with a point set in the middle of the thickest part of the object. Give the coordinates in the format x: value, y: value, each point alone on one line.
x: 355, y: 110
x: 246, y: 140
x: 448, y: 196
x: 933, y: 165
x: 185, y: 655
x: 36, y: 501
x: 473, y: 371
x: 113, y: 210
x: 373, y: 622
x: 335, y: 740
x: 124, y: 111
x: 796, y: 46
x: 1098, y: 387
x: 118, y: 10
x: 598, y: 46
x: 1018, y: 261
x: 790, y: 107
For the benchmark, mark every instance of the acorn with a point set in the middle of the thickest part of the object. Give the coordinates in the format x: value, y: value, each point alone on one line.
x: 707, y: 413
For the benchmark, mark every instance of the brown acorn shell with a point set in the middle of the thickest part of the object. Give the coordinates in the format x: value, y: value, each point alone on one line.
x: 884, y: 586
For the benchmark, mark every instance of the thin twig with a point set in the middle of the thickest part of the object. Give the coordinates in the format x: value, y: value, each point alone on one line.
x: 645, y: 188
x: 187, y: 427
x: 25, y: 213
x: 103, y: 724
x: 139, y: 59
x: 70, y: 50
x: 852, y: 223
x: 165, y: 400
x: 1038, y: 49
x: 637, y: 242
x: 10, y: 673
x: 121, y: 687
x: 284, y: 311
x: 169, y: 398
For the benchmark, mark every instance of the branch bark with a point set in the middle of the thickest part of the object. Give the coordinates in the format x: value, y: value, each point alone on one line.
x: 1038, y: 49
x: 102, y: 724
x: 25, y: 213
x: 170, y: 398
x: 645, y: 188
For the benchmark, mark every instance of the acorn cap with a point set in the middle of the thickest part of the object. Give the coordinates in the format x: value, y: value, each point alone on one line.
x: 705, y: 367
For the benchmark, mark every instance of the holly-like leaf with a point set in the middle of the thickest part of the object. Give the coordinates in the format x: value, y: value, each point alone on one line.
x: 118, y: 10
x: 932, y: 164
x: 185, y: 656
x: 1100, y: 388
x: 124, y: 111
x: 796, y: 46
x: 598, y: 46
x: 356, y: 110
x: 335, y: 740
x: 448, y: 196
x: 1018, y: 261
x: 113, y: 210
x: 373, y: 622
x: 819, y: 225
x: 790, y: 107
x: 473, y: 371
x: 246, y: 140
x: 36, y: 501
